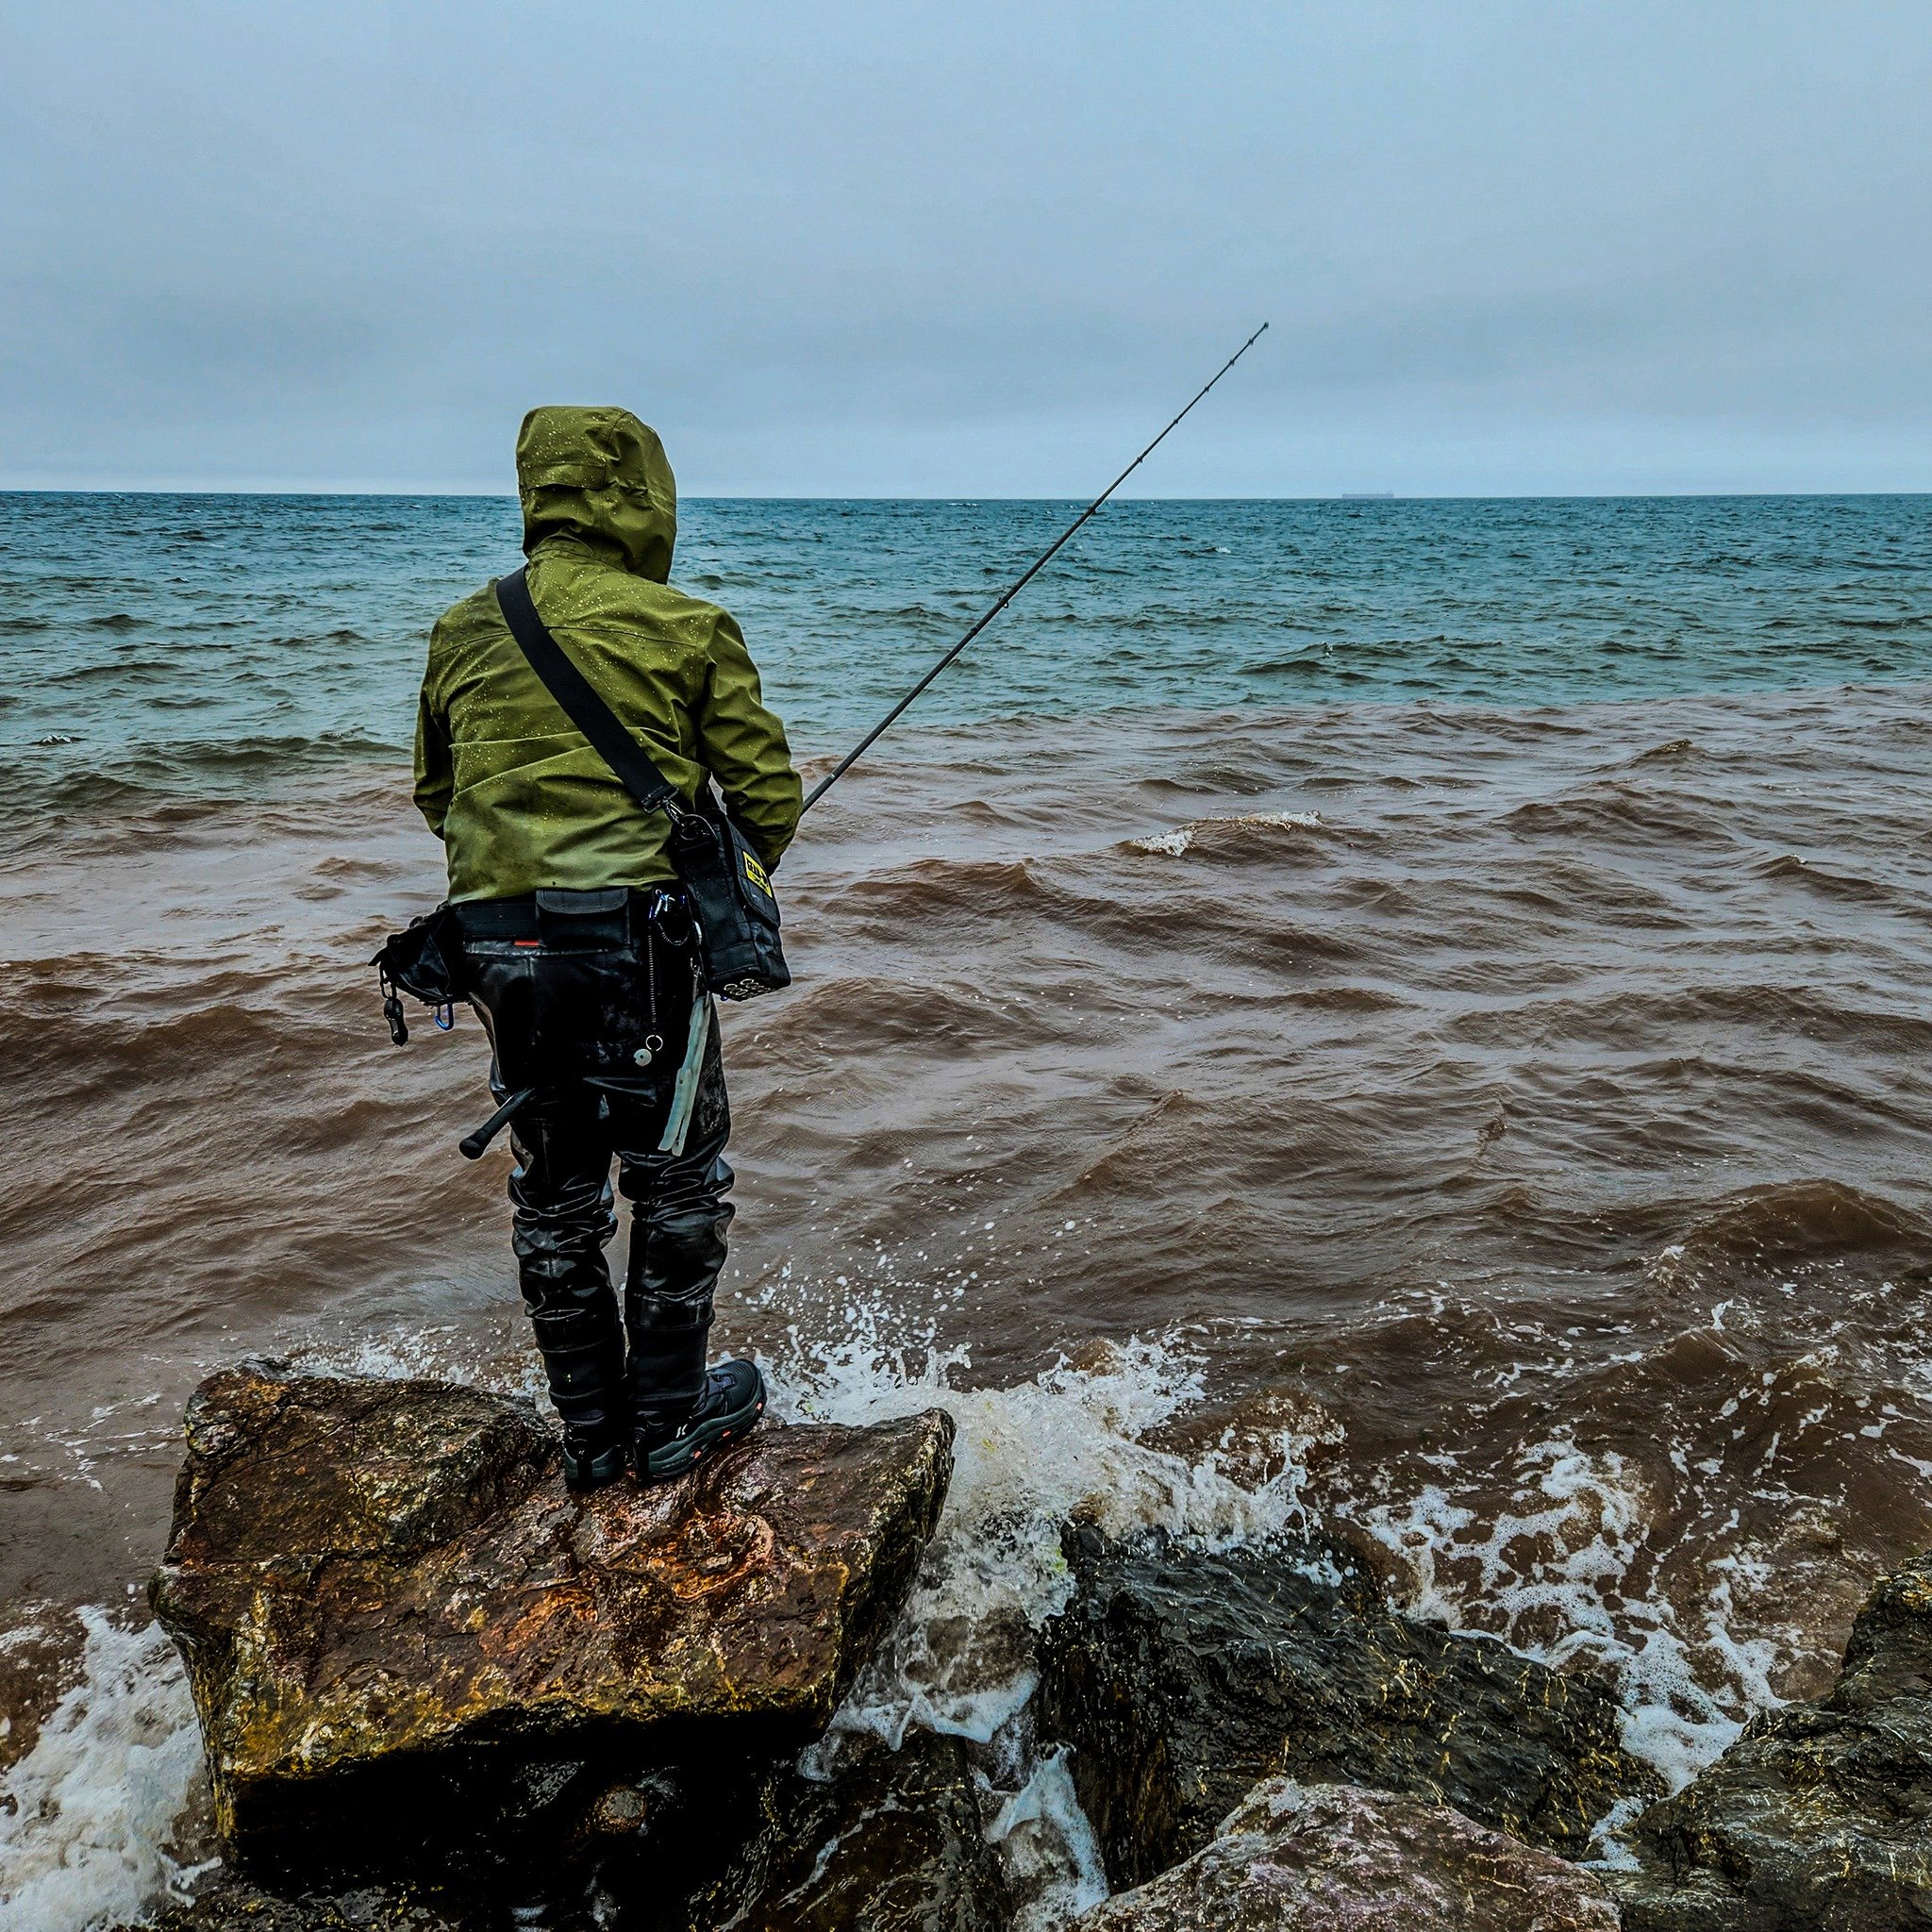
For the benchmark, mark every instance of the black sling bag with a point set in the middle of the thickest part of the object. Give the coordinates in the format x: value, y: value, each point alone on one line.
x: 725, y: 887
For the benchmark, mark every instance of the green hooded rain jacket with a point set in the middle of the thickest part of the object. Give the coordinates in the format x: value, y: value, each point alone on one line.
x: 507, y: 783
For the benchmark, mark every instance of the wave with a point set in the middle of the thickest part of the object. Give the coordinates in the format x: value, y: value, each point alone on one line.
x: 947, y: 1021
x: 1835, y: 882
x: 1618, y: 812
x: 1798, y: 1220
x: 1224, y: 834
x: 1673, y: 751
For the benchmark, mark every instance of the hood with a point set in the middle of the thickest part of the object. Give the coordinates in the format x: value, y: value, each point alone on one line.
x: 602, y: 476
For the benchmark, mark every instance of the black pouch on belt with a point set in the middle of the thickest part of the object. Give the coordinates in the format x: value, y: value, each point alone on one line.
x: 725, y: 887
x: 583, y: 921
x: 422, y: 962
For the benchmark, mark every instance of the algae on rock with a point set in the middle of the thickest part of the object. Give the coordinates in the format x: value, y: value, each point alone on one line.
x: 403, y: 1632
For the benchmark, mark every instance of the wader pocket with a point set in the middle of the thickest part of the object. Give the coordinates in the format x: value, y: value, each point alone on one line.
x: 573, y: 921
x: 562, y: 1014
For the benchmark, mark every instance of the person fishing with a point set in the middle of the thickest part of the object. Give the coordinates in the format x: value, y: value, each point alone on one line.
x: 573, y: 718
x: 574, y: 941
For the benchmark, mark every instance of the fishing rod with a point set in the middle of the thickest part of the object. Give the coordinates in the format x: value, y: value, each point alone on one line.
x: 1018, y: 584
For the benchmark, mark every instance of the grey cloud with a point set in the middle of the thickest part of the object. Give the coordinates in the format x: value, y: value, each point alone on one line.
x: 846, y: 247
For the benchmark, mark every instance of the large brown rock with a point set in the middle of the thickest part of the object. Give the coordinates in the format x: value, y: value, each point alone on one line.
x: 1298, y: 1858
x: 1819, y: 1818
x: 1181, y: 1676
x: 399, y: 1626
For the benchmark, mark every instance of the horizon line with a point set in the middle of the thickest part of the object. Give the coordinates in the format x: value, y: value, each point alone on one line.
x: 1353, y: 496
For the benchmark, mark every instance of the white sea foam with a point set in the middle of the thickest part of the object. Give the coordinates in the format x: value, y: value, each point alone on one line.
x: 1545, y: 1573
x: 445, y: 1353
x: 92, y: 1820
x: 1047, y: 1847
x: 1027, y: 1458
x: 1172, y: 843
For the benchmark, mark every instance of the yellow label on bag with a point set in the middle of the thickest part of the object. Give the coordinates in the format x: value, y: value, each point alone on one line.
x: 756, y: 874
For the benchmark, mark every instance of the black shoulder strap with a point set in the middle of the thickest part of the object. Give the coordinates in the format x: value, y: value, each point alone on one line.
x: 581, y: 705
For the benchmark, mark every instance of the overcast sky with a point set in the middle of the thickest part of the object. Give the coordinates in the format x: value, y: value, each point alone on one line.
x: 1506, y: 246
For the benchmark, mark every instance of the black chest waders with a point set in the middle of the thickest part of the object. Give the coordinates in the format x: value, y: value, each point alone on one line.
x: 605, y: 1048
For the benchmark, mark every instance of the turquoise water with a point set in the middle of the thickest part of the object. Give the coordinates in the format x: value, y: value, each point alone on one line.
x: 202, y: 644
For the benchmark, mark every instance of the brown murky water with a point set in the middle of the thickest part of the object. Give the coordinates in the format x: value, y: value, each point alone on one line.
x: 1503, y: 1133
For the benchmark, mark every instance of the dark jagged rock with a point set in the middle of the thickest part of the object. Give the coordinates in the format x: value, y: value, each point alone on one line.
x: 401, y: 1631
x: 1181, y: 1678
x: 1819, y: 1818
x: 895, y: 1841
x: 1298, y: 1858
x: 891, y: 1841
x: 228, y: 1904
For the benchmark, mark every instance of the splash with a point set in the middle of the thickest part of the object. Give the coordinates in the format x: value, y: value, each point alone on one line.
x: 1028, y: 1459
x: 1047, y: 1847
x: 98, y: 1819
x: 1544, y: 1574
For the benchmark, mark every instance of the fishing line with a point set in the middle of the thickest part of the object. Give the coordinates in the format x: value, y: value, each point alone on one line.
x: 1018, y: 584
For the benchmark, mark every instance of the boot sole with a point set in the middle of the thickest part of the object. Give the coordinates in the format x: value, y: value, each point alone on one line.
x: 674, y: 1460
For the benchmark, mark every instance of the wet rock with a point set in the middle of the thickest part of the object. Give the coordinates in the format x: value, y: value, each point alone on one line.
x: 1819, y: 1819
x: 1296, y: 1858
x: 895, y: 1841
x: 401, y: 1630
x: 890, y: 1841
x: 1181, y: 1678
x: 228, y: 1904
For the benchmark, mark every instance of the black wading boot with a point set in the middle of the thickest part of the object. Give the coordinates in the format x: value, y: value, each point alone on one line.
x: 679, y: 1411
x: 733, y: 1400
x: 590, y: 1465
x: 587, y: 1390
x: 562, y: 1220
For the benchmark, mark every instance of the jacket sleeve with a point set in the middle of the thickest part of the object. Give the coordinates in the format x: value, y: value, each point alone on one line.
x: 434, y: 773
x: 743, y: 745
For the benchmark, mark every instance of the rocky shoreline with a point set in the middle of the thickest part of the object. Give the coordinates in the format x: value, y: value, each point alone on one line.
x: 440, y: 1693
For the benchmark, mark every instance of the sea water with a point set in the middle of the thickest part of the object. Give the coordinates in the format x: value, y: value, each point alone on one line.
x: 1405, y: 1019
